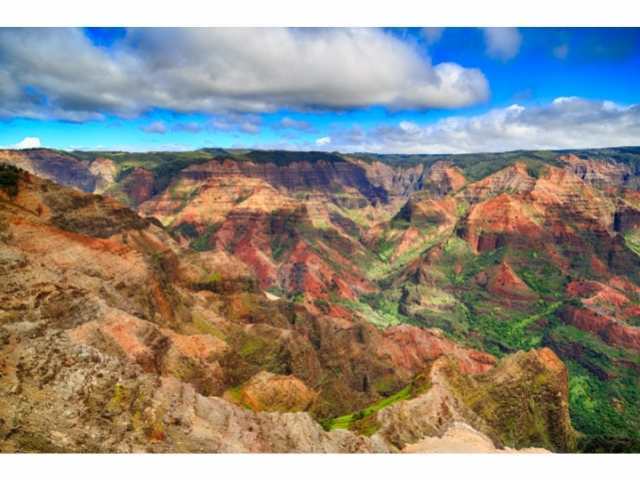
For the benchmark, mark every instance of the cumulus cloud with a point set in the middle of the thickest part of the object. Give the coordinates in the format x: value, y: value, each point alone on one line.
x: 27, y: 142
x: 155, y: 127
x: 502, y: 43
x: 222, y: 69
x: 567, y: 122
x: 323, y: 141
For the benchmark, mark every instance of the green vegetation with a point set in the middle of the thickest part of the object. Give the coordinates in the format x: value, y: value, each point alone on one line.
x: 202, y: 325
x: 604, y: 389
x: 522, y: 413
x: 118, y: 399
x: 364, y: 421
x: 255, y: 353
x: 187, y: 230
x: 506, y: 336
x: 282, y: 158
x: 477, y: 165
x: 9, y: 176
x: 385, y: 248
x: 543, y: 277
x: 165, y: 166
x: 235, y: 395
x: 204, y: 241
x: 632, y: 240
x: 462, y: 265
x: 349, y: 421
x: 383, y: 269
x: 380, y: 311
x: 434, y: 307
x: 215, y: 277
x: 283, y: 233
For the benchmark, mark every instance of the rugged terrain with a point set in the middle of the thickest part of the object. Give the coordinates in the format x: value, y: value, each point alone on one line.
x: 283, y: 301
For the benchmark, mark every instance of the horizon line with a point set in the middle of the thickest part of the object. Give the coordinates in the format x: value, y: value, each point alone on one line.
x: 332, y: 152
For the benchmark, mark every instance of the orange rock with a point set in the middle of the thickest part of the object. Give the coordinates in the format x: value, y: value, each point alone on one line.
x: 598, y: 266
x: 596, y: 172
x: 550, y: 360
x: 609, y: 329
x: 133, y: 338
x: 582, y: 288
x: 512, y: 179
x: 276, y: 393
x: 492, y: 221
x: 624, y: 284
x: 412, y: 348
x: 505, y: 284
x: 201, y: 347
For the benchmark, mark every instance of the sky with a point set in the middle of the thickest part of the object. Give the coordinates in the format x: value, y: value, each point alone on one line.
x: 404, y: 90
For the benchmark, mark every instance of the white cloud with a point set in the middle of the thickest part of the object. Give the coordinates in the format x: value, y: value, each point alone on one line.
x: 322, y: 141
x: 561, y: 51
x: 432, y: 34
x: 234, y: 122
x: 27, y: 142
x: 502, y: 43
x: 408, y: 126
x: 215, y: 70
x: 567, y: 122
x: 155, y: 127
x: 287, y: 122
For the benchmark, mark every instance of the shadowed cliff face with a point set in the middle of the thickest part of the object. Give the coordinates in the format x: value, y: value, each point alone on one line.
x: 347, y: 277
x: 59, y: 167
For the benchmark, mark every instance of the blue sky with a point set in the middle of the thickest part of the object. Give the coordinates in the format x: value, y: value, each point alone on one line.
x: 384, y: 90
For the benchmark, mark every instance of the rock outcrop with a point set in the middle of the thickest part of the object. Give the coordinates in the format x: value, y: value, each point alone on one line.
x: 462, y: 438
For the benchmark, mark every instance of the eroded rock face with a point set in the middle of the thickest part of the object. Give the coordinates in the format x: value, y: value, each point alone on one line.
x: 512, y: 179
x: 605, y: 175
x: 61, y: 396
x: 444, y: 178
x: 500, y: 220
x: 61, y: 168
x: 105, y: 171
x: 64, y: 397
x: 268, y: 392
x: 114, y: 338
x: 397, y: 181
x: 504, y: 283
x: 488, y: 402
x: 414, y: 348
x: 330, y: 174
x: 139, y: 185
x: 613, y: 331
x: 212, y: 425
x: 462, y: 438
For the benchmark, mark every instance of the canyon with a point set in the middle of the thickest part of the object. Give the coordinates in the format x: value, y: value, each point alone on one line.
x: 276, y: 301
